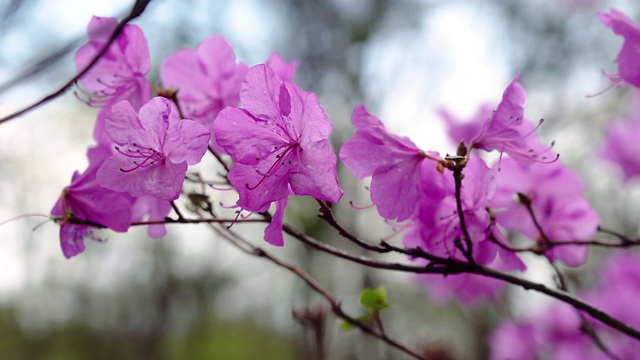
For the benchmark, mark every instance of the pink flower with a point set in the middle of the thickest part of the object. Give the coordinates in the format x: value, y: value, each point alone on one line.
x: 208, y: 79
x: 393, y: 161
x: 120, y: 72
x: 273, y: 231
x: 555, y: 331
x: 149, y: 208
x: 557, y: 198
x: 466, y: 131
x: 278, y: 142
x: 621, y: 142
x: 622, y: 147
x: 438, y: 219
x: 86, y: 200
x: 509, y: 132
x: 153, y: 149
x: 286, y: 71
x: 628, y: 68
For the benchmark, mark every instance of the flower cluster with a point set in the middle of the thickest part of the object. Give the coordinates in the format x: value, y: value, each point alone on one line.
x: 459, y: 207
x: 278, y: 140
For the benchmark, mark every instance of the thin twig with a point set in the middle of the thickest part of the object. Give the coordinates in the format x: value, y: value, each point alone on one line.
x: 138, y: 9
x: 327, y: 214
x: 177, y: 210
x: 219, y: 158
x: 457, y: 176
x: 251, y: 249
x: 585, y: 326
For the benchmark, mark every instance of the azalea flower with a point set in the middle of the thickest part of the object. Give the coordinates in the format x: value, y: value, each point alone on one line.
x: 393, y: 161
x: 85, y: 200
x: 466, y: 131
x: 153, y: 148
x: 556, y: 195
x: 207, y: 79
x: 278, y: 142
x: 119, y: 74
x: 285, y: 70
x: 509, y: 132
x: 628, y: 68
x: 438, y: 219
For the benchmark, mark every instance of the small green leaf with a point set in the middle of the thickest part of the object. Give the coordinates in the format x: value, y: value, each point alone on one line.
x: 346, y: 326
x: 374, y: 299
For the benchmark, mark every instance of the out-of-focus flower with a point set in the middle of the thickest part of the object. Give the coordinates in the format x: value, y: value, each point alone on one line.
x: 628, y: 67
x: 207, y: 79
x: 556, y: 197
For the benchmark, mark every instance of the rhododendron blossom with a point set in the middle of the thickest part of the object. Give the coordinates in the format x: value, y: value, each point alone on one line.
x: 628, y: 67
x: 393, y: 161
x: 120, y: 74
x: 557, y: 200
x: 459, y: 130
x: 555, y: 331
x: 278, y: 142
x: 285, y: 70
x: 84, y: 199
x: 621, y: 141
x: 207, y: 79
x: 438, y: 219
x: 509, y: 132
x: 149, y: 208
x: 153, y: 149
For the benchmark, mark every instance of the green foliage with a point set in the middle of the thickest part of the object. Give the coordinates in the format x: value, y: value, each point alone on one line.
x: 372, y: 300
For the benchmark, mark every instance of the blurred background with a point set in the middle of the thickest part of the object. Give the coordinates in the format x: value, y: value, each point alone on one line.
x: 190, y: 295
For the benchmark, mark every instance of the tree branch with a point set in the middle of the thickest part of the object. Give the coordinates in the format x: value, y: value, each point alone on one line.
x: 138, y: 9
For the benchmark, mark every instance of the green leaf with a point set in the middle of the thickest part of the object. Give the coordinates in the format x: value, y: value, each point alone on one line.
x: 374, y: 299
x: 346, y: 326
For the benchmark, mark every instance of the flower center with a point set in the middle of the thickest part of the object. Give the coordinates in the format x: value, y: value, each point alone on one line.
x: 280, y: 159
x: 144, y: 156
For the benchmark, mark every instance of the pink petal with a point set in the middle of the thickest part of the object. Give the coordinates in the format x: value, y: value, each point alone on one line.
x: 273, y: 231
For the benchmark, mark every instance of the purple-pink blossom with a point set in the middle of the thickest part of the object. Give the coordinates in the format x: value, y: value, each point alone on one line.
x: 555, y: 331
x: 509, y: 132
x: 621, y: 142
x: 393, y: 162
x: 119, y: 74
x: 279, y: 144
x: 460, y: 130
x: 279, y: 140
x: 152, y: 151
x: 438, y: 218
x: 149, y: 208
x: 556, y: 195
x: 207, y: 79
x: 285, y: 70
x: 628, y: 67
x: 85, y: 200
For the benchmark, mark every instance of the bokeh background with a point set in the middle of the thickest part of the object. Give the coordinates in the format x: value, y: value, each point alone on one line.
x: 190, y: 295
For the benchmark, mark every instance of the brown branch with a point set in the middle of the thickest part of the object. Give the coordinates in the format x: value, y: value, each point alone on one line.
x: 251, y: 249
x: 74, y: 220
x: 452, y: 266
x: 457, y: 176
x: 585, y: 326
x: 327, y: 215
x: 219, y: 158
x: 138, y: 9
